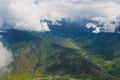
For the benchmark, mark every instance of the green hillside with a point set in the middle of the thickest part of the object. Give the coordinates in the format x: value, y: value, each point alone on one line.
x: 51, y: 56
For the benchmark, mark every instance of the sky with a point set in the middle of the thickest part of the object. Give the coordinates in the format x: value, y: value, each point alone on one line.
x: 31, y: 15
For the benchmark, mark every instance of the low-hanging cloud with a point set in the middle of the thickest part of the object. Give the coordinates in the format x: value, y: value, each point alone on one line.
x: 31, y: 14
x: 5, y: 58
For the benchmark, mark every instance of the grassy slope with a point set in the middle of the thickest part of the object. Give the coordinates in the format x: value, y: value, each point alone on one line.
x: 50, y: 55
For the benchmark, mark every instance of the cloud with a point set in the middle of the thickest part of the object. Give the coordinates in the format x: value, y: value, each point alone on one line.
x: 108, y: 24
x: 31, y: 15
x: 5, y: 58
x: 93, y: 26
x: 23, y: 15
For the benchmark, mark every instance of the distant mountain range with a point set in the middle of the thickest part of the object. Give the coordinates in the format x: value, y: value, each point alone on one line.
x: 72, y: 52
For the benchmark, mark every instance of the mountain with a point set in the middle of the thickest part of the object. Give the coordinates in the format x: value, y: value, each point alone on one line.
x: 81, y: 56
x: 102, y: 48
x: 43, y: 54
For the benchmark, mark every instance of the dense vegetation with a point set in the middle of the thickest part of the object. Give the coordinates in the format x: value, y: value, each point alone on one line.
x: 46, y: 54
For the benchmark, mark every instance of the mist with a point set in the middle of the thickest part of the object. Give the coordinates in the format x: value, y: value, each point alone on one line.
x: 6, y: 58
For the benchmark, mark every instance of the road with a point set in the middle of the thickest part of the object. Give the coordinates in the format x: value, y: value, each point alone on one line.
x: 55, y: 78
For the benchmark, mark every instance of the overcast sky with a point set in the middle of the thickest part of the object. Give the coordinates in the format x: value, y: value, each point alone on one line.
x: 30, y: 14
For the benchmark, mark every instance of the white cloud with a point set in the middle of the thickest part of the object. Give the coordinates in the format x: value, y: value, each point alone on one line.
x: 30, y: 14
x: 95, y: 28
x: 90, y: 25
x: 5, y: 58
x: 109, y: 24
x: 27, y: 15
